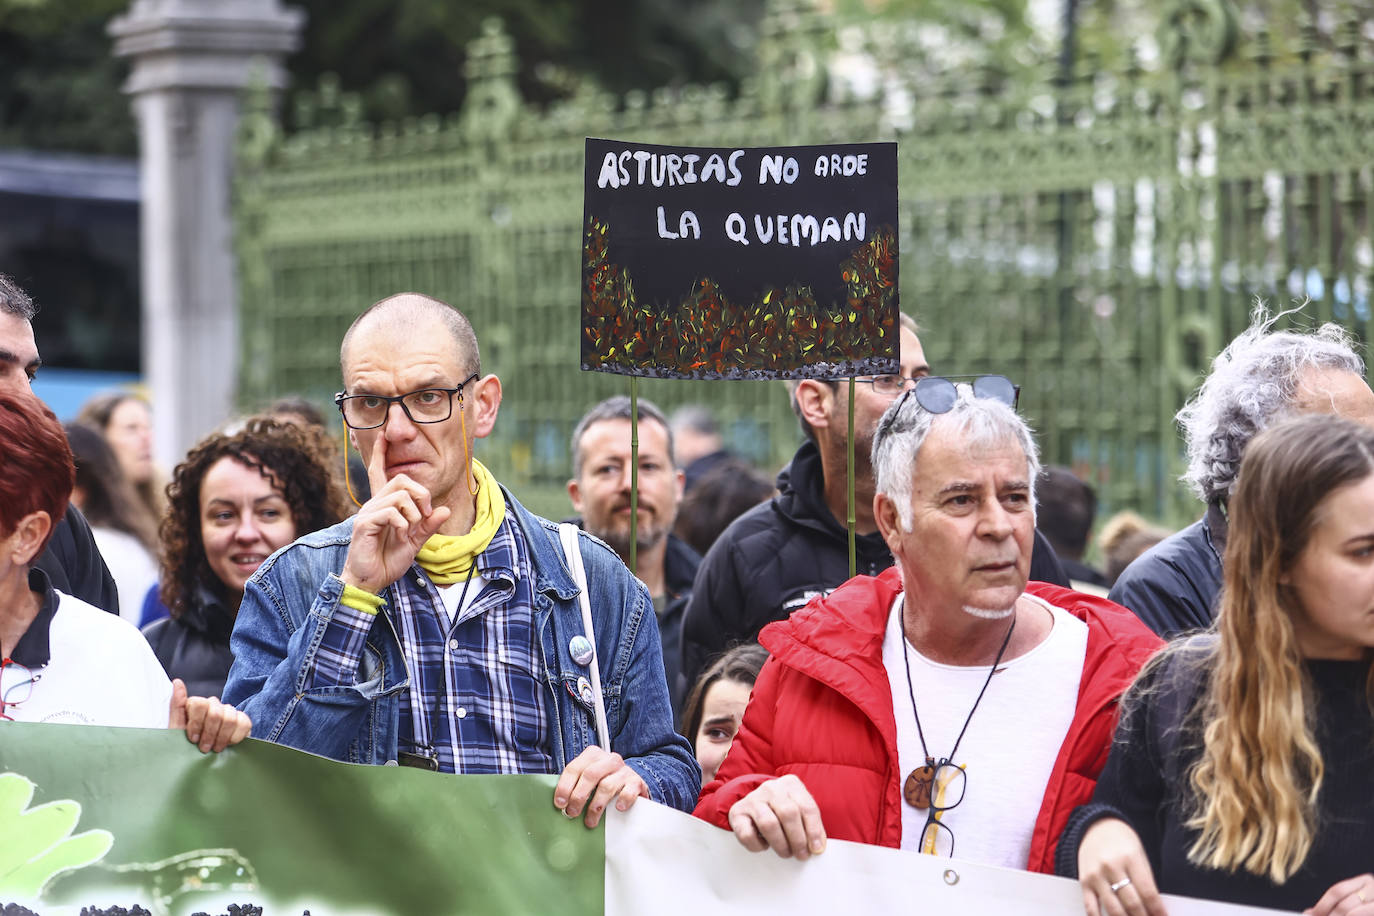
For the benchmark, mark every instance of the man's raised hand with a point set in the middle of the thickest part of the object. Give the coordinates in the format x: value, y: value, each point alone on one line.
x: 390, y: 528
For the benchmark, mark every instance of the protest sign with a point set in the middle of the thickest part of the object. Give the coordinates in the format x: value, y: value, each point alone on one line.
x: 706, y: 262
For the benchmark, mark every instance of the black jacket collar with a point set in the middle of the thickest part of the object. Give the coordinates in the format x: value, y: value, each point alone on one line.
x: 801, y: 499
x: 207, y: 613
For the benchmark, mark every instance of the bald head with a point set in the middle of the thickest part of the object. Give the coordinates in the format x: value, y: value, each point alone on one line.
x: 405, y: 312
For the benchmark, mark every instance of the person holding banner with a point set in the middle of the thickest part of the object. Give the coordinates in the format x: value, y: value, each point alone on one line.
x: 1243, y: 767
x: 63, y: 660
x: 779, y: 555
x: 943, y: 706
x: 441, y: 626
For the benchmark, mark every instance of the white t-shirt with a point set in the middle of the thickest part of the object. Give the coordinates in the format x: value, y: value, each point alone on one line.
x: 100, y: 671
x: 466, y: 591
x: 133, y: 568
x: 1011, y: 744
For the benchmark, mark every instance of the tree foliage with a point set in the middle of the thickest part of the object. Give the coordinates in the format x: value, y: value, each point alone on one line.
x: 405, y: 57
x: 59, y: 82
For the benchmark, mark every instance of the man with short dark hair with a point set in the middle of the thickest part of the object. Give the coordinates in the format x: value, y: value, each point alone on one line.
x: 776, y: 557
x: 600, y: 493
x: 70, y: 559
x: 441, y: 626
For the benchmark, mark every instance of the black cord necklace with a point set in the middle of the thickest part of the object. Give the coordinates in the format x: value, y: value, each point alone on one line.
x: 919, y: 782
x: 425, y: 756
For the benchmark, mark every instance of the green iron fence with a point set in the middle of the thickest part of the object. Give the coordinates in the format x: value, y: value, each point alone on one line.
x: 1097, y: 241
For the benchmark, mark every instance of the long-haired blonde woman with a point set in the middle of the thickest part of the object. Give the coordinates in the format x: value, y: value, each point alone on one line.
x: 1243, y: 767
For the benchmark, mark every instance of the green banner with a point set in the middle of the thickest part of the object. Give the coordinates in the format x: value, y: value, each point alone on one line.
x: 104, y: 817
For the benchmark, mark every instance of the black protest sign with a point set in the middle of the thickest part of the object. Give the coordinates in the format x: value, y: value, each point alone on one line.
x: 770, y: 262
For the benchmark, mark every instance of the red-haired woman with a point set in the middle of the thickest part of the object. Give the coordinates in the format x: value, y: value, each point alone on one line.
x: 62, y: 660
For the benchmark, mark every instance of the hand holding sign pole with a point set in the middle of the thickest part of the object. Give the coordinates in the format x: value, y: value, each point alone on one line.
x: 719, y: 263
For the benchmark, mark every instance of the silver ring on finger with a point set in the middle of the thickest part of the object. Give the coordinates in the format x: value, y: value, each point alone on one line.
x: 1116, y: 886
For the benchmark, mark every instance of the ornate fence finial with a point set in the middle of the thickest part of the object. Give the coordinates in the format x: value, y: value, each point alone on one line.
x: 792, y: 73
x: 259, y: 134
x: 1198, y: 32
x: 493, y: 100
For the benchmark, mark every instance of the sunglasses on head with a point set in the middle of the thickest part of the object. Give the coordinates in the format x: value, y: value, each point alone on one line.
x: 939, y: 393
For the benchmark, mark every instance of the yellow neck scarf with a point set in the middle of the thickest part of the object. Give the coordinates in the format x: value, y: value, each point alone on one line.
x: 447, y: 558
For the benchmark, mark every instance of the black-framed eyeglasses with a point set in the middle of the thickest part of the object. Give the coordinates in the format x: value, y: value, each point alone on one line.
x: 426, y: 405
x: 947, y: 791
x: 16, y: 685
x: 889, y: 384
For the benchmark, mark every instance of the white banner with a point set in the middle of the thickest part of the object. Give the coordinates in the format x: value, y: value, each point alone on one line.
x: 665, y: 862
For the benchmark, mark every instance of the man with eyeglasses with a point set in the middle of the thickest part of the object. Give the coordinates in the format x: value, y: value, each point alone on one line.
x: 440, y: 627
x: 947, y: 706
x: 776, y: 557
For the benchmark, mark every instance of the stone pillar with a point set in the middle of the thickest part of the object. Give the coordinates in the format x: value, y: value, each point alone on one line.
x: 191, y: 62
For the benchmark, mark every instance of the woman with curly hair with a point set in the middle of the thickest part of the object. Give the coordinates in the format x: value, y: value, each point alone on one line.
x: 236, y: 499
x: 1243, y: 766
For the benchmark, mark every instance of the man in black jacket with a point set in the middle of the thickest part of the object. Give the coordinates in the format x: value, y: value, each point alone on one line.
x: 600, y: 493
x: 71, y: 559
x: 778, y: 556
x: 1260, y: 378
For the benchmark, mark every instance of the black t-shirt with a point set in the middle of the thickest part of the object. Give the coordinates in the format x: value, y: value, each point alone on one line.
x: 1146, y: 782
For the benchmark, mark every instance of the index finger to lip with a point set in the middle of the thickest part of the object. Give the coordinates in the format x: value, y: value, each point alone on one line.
x: 376, y: 462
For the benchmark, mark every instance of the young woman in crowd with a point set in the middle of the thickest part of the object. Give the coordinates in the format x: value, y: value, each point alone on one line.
x: 124, y: 531
x: 236, y: 499
x: 715, y: 707
x: 61, y: 659
x: 126, y: 422
x: 1243, y: 768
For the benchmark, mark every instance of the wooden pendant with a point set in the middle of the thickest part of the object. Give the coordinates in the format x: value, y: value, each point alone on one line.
x: 919, y: 783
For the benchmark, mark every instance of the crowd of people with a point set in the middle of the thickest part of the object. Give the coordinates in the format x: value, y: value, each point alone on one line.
x: 1197, y: 719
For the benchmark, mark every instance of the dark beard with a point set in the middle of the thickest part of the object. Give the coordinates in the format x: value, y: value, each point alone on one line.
x: 619, y: 539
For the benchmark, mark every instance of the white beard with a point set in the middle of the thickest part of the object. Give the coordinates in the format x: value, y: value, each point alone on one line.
x: 983, y: 613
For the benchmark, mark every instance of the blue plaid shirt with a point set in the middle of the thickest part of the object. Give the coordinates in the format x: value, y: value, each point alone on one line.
x: 476, y: 696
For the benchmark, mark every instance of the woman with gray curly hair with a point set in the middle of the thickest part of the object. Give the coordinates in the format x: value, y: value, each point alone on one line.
x: 1262, y: 377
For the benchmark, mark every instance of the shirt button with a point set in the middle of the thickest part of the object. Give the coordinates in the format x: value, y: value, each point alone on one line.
x: 462, y: 713
x: 453, y: 644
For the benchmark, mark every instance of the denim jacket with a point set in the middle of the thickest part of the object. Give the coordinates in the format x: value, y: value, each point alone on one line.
x: 290, y: 599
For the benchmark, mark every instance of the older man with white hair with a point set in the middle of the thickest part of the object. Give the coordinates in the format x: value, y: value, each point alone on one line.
x: 943, y: 706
